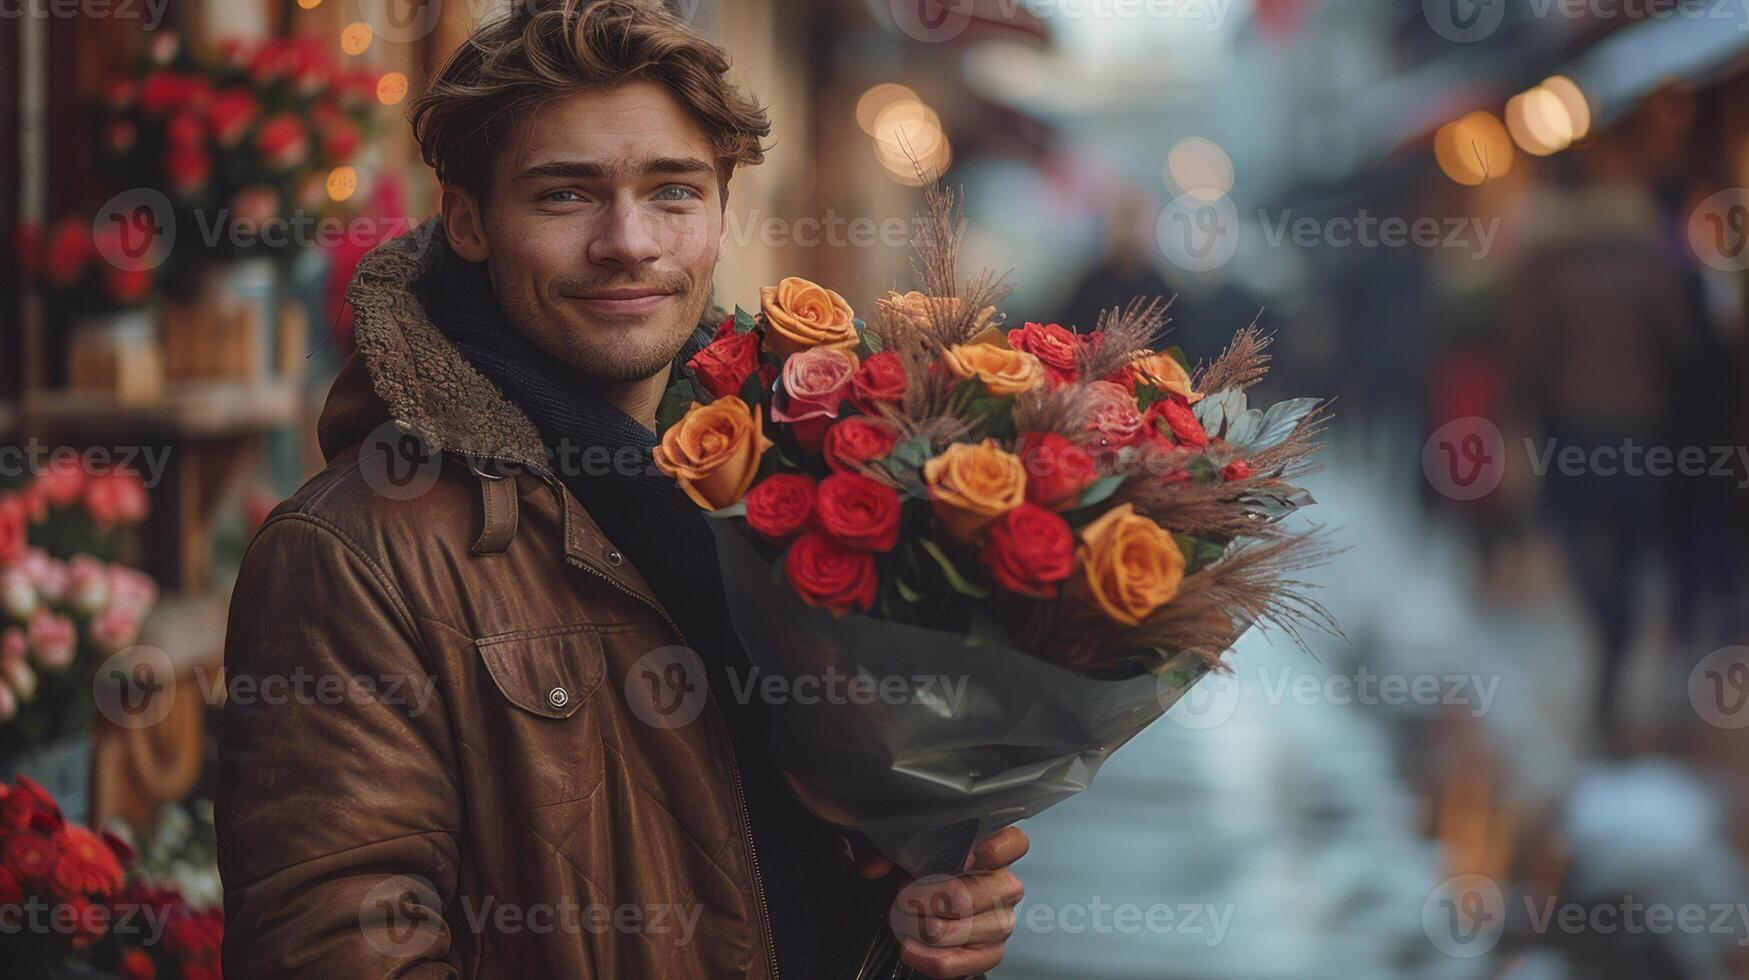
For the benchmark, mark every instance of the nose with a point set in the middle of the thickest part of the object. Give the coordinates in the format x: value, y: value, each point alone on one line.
x: 624, y: 239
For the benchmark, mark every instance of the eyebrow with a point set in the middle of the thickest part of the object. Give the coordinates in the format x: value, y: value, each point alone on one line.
x: 592, y: 170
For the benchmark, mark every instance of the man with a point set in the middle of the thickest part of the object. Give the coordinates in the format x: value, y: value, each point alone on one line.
x: 478, y: 771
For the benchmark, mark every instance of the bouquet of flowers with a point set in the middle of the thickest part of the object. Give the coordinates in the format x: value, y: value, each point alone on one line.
x: 67, y: 261
x: 57, y: 881
x: 1068, y: 527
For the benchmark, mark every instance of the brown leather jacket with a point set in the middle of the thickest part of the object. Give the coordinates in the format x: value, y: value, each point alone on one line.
x: 428, y: 765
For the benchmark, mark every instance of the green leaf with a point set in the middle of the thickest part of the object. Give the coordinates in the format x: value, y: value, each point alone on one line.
x: 906, y: 592
x: 1099, y: 491
x: 871, y: 344
x: 1177, y: 354
x: 1147, y: 394
x: 959, y: 582
x: 745, y: 322
x: 736, y: 509
x: 1199, y: 553
x: 1202, y: 470
x: 752, y: 390
x: 910, y: 454
x: 676, y: 401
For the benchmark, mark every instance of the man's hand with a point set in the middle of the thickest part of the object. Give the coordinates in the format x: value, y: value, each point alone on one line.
x: 958, y: 926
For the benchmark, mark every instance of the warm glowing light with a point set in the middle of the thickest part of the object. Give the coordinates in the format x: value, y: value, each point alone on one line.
x: 878, y: 98
x: 309, y: 4
x: 1573, y: 100
x: 392, y: 88
x: 905, y: 131
x: 1200, y: 168
x: 342, y: 183
x: 1473, y: 149
x: 355, y: 38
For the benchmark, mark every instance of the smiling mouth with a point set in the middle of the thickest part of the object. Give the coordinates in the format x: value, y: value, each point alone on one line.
x: 631, y: 301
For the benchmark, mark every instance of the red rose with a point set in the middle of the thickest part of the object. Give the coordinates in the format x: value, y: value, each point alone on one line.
x: 136, y: 964
x: 1030, y: 550
x: 829, y: 575
x: 1179, y: 422
x: 1057, y: 470
x: 857, y: 440
x: 780, y: 505
x: 723, y: 367
x: 1055, y: 347
x: 724, y: 329
x: 858, y: 511
x: 880, y: 381
x: 1238, y: 469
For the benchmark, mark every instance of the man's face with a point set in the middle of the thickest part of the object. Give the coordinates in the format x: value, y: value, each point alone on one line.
x: 601, y: 229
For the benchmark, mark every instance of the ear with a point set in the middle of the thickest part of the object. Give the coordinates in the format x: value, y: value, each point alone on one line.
x: 465, y: 224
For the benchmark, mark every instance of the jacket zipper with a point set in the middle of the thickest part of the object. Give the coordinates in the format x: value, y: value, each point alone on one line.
x: 722, y: 727
x: 734, y: 771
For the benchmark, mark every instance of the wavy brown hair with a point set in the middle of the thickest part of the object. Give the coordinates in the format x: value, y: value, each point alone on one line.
x: 549, y: 49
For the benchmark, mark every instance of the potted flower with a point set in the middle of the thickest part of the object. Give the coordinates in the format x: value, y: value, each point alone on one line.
x: 105, y: 300
x: 58, y: 883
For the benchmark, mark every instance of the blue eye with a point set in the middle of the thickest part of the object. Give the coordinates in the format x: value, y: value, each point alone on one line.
x: 669, y: 193
x: 557, y: 198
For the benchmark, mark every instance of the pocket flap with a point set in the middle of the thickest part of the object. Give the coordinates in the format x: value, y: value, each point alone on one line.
x: 549, y: 674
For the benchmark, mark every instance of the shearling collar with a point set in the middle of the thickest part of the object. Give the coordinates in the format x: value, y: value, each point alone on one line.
x: 426, y: 384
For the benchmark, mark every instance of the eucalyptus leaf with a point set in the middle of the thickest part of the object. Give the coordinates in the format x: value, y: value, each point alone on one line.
x: 745, y: 322
x: 1099, y: 491
x: 1277, y: 424
x: 1216, y: 411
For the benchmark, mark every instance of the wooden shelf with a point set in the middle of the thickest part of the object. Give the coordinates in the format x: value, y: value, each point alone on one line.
x: 195, y: 409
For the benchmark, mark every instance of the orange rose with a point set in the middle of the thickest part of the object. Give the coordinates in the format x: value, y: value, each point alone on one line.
x: 1003, y: 371
x: 1133, y: 566
x: 800, y: 314
x: 1165, y: 373
x: 713, y: 451
x: 970, y: 486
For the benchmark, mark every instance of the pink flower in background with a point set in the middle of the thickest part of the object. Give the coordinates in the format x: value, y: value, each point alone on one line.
x: 117, y: 499
x: 8, y: 704
x: 18, y: 597
x: 47, y: 575
x: 61, y: 483
x: 114, y: 629
x: 13, y: 644
x: 16, y: 674
x: 131, y: 590
x: 53, y: 640
x: 87, y: 584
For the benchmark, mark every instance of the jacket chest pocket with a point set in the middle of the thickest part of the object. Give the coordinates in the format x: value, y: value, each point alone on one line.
x: 549, y: 750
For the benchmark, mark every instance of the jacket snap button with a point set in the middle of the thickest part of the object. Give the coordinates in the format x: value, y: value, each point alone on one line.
x: 614, y: 558
x: 558, y: 697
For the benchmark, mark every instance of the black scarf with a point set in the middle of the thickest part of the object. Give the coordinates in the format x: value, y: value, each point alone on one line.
x: 664, y: 534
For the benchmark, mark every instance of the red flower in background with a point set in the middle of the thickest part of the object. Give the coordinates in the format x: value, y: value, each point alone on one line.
x: 1170, y: 416
x: 284, y: 143
x: 119, y: 136
x: 1030, y: 550
x: 127, y: 286
x: 855, y: 441
x: 723, y: 367
x: 188, y: 168
x: 86, y: 865
x: 61, y: 482
x: 27, y: 243
x: 185, y: 130
x: 136, y: 964
x: 70, y: 249
x: 11, y: 889
x: 829, y: 575
x: 1055, y: 347
x: 25, y: 804
x: 879, y: 381
x: 14, y: 528
x: 161, y: 91
x: 230, y: 115
x: 340, y: 140
x: 781, y: 505
x: 1057, y: 470
x: 29, y: 856
x: 858, y: 511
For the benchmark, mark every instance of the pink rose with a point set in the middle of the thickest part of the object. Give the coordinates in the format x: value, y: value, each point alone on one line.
x: 114, y: 629
x: 815, y: 383
x: 117, y: 499
x: 131, y: 590
x: 87, y: 584
x: 18, y: 597
x: 53, y: 640
x: 47, y: 575
x: 1114, y: 417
